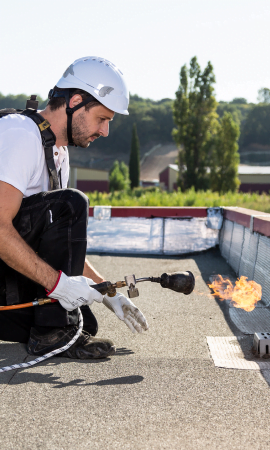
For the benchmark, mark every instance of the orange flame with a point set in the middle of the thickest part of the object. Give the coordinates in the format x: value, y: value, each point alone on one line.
x: 245, y: 294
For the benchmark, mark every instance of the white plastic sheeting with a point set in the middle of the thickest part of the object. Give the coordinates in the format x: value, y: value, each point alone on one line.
x: 249, y: 254
x: 226, y: 237
x: 236, y: 246
x: 252, y: 321
x: 262, y: 268
x: 102, y: 212
x: 149, y: 236
x: 214, y: 218
x: 185, y: 236
x: 125, y: 235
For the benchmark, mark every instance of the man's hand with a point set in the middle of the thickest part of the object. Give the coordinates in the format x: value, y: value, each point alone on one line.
x: 73, y: 292
x: 126, y: 311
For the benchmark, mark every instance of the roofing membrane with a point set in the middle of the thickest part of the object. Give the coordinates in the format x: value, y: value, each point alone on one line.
x: 150, y: 236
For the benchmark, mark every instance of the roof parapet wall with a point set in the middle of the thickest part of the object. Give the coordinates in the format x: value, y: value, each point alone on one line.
x: 155, y: 211
x: 244, y: 243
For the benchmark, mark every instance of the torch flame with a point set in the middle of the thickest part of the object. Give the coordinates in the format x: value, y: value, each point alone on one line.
x: 245, y: 294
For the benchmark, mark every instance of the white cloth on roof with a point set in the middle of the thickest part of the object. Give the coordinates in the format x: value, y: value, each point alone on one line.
x: 22, y: 157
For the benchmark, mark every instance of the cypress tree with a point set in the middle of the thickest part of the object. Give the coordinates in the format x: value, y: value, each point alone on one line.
x: 195, y: 117
x: 134, y: 160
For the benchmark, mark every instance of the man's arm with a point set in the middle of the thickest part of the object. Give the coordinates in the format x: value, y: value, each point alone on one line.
x: 13, y: 249
x: 90, y: 272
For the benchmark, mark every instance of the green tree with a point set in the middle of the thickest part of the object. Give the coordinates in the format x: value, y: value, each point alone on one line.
x: 264, y: 95
x: 238, y: 110
x: 18, y: 101
x: 224, y: 156
x: 125, y: 171
x: 195, y: 117
x: 256, y: 128
x: 239, y: 101
x: 134, y: 160
x: 118, y: 177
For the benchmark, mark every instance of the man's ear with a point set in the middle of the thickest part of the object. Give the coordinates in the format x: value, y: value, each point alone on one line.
x: 75, y: 100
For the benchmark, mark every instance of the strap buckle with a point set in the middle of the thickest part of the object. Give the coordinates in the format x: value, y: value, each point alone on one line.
x: 47, y: 142
x: 69, y: 111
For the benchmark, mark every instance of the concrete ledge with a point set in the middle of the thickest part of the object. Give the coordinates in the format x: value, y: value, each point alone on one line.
x: 243, y: 216
x: 155, y: 211
x: 249, y: 218
x: 262, y: 225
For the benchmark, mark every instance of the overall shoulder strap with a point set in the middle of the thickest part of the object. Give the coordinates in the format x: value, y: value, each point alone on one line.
x: 48, y: 139
x: 6, y: 111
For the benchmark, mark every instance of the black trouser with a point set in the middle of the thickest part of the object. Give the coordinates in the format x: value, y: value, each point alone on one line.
x: 54, y: 224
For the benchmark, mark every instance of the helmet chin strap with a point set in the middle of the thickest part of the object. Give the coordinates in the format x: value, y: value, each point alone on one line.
x: 69, y: 111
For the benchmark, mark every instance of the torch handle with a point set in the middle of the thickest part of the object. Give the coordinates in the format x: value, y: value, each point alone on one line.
x: 103, y: 287
x: 106, y: 287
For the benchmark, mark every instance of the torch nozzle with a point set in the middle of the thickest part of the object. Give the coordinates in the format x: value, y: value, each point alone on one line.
x: 182, y: 282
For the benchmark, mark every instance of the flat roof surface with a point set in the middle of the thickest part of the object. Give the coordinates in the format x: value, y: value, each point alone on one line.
x: 160, y: 391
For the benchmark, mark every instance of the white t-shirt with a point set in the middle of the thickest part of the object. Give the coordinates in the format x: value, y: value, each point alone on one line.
x: 22, y: 157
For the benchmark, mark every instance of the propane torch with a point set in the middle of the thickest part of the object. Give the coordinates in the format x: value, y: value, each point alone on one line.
x: 182, y: 282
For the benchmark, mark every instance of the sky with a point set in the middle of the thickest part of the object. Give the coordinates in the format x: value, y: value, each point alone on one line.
x: 149, y: 40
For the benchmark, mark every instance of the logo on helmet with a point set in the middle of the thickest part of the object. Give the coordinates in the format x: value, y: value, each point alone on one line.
x: 68, y: 71
x: 105, y: 90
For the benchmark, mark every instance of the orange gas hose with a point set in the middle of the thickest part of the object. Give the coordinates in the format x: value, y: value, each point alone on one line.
x: 23, y: 305
x: 39, y: 302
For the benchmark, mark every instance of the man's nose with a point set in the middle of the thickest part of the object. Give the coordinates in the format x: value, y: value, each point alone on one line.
x: 104, y: 129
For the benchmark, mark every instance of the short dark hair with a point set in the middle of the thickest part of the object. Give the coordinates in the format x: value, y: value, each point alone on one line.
x: 57, y: 102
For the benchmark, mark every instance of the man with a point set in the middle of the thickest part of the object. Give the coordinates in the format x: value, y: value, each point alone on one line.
x: 42, y: 232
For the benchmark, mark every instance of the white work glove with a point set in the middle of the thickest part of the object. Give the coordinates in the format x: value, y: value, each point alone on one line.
x: 126, y: 311
x: 73, y: 292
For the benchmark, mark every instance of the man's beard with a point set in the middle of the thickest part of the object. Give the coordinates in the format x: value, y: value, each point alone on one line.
x: 79, y: 133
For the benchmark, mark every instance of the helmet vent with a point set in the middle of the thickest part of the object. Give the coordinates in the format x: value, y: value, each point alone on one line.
x: 68, y: 71
x: 105, y: 90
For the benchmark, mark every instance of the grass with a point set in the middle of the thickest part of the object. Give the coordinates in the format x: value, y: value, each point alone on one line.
x: 157, y: 197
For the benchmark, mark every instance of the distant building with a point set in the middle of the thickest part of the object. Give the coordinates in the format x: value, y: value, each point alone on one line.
x: 252, y: 178
x: 149, y: 183
x: 155, y: 161
x: 89, y: 180
x: 168, y: 177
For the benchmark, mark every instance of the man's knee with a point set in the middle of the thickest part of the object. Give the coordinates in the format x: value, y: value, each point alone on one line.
x: 77, y: 199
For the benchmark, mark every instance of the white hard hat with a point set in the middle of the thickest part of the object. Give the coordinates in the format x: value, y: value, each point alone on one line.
x: 102, y: 79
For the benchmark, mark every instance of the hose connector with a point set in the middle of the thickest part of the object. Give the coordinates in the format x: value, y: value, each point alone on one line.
x: 44, y: 301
